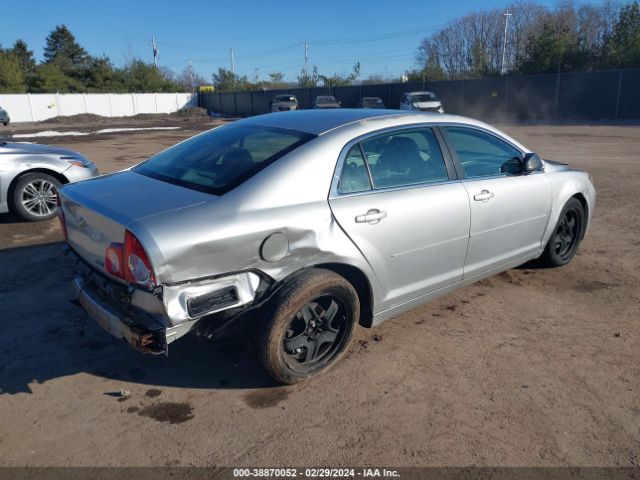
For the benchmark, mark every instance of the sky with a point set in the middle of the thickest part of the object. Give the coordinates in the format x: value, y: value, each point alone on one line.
x: 383, y: 35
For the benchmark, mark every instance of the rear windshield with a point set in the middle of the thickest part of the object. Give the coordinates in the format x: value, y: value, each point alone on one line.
x: 325, y: 100
x: 223, y: 158
x: 286, y: 98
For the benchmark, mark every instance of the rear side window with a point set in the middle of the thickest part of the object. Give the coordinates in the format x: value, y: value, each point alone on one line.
x: 482, y: 154
x: 405, y: 158
x: 354, y: 177
x: 223, y: 158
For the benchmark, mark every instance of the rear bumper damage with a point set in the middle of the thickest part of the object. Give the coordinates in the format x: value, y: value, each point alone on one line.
x: 149, y: 321
x: 150, y: 338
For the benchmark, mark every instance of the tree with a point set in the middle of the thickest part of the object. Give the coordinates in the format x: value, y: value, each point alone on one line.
x: 552, y: 50
x: 145, y: 77
x: 308, y: 81
x: 622, y: 45
x: 188, y: 79
x: 50, y: 78
x: 11, y: 78
x: 26, y: 61
x: 276, y: 80
x: 61, y: 47
x: 227, y: 81
x: 101, y: 76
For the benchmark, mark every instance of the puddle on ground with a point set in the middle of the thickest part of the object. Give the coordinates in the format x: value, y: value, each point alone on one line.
x: 171, y: 412
x: 266, y: 398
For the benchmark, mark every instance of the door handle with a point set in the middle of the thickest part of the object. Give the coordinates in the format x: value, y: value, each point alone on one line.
x: 483, y: 196
x: 372, y: 217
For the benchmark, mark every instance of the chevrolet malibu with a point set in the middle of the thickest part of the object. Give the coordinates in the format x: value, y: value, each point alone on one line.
x: 293, y: 228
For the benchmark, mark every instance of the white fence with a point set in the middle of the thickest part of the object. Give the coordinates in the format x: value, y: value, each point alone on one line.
x: 26, y: 107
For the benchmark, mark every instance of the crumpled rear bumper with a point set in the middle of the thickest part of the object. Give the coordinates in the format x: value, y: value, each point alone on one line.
x: 139, y: 338
x: 142, y: 333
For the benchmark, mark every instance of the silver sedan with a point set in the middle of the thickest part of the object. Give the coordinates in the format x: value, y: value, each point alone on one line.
x: 293, y: 228
x: 31, y: 174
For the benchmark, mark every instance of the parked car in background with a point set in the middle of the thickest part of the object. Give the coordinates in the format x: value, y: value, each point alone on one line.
x: 326, y: 101
x: 370, y: 102
x: 4, y: 117
x: 284, y: 103
x: 292, y: 229
x: 421, y: 101
x: 31, y: 174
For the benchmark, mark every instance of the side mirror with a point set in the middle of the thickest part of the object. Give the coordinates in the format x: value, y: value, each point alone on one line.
x: 532, y: 163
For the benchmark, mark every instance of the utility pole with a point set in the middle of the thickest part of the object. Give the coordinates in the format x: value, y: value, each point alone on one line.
x: 155, y: 51
x: 257, y: 70
x: 233, y: 63
x: 191, y: 77
x: 306, y: 59
x: 504, y: 43
x: 233, y: 68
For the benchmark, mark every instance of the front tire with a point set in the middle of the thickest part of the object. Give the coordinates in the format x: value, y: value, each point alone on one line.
x: 34, y: 197
x: 566, y: 237
x: 308, y: 326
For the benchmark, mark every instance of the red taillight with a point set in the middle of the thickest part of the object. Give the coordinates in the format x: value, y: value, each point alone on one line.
x: 113, y: 263
x: 61, y: 215
x: 136, y: 264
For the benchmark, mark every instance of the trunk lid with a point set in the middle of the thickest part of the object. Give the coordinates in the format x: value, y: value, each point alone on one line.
x: 97, y: 211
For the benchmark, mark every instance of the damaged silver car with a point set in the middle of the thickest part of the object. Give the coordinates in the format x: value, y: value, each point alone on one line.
x: 292, y: 229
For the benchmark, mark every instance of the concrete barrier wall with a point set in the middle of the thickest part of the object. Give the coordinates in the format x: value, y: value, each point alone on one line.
x: 26, y: 107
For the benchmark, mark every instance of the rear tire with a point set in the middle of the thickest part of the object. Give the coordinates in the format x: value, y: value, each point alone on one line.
x: 307, y: 326
x: 566, y: 237
x: 34, y: 197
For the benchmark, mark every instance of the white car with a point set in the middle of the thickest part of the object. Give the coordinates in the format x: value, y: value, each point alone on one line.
x: 421, y: 102
x: 4, y: 117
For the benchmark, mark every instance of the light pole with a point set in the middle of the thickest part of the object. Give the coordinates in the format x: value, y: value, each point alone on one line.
x: 504, y: 42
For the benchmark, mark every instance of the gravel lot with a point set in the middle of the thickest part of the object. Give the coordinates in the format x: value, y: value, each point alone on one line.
x: 531, y: 367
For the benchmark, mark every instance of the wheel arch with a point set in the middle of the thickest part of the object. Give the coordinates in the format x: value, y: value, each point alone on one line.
x: 358, y: 279
x: 57, y: 175
x: 355, y: 276
x: 582, y: 199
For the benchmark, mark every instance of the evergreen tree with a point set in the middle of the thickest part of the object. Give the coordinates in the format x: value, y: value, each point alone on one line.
x: 26, y: 61
x: 63, y: 49
x: 11, y: 79
x: 622, y: 46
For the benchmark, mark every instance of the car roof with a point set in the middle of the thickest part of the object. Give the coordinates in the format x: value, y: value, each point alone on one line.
x: 358, y: 121
x: 421, y: 93
x: 318, y: 122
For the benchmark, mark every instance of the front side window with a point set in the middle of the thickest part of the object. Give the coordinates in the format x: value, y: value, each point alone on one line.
x: 354, y: 176
x: 221, y: 159
x: 482, y: 154
x: 405, y: 158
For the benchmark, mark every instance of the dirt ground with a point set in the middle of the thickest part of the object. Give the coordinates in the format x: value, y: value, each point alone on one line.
x: 532, y: 367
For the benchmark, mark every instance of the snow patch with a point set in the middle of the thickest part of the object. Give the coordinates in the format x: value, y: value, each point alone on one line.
x: 55, y: 133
